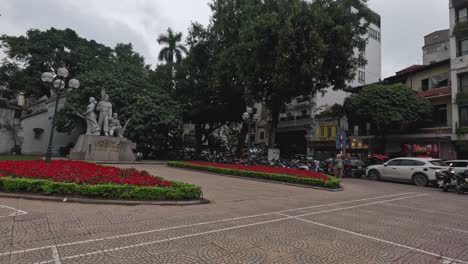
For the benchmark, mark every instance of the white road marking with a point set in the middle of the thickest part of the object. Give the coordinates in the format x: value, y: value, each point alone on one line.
x: 220, y: 230
x: 427, y: 210
x: 16, y: 213
x: 361, y: 205
x: 458, y: 230
x: 56, y: 255
x: 196, y: 224
x: 384, y: 241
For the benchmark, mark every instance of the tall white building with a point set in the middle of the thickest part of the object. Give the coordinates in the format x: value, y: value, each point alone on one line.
x: 459, y: 74
x: 302, y: 129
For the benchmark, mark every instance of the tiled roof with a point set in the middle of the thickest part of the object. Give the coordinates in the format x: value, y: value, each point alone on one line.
x: 435, y: 92
x: 409, y: 69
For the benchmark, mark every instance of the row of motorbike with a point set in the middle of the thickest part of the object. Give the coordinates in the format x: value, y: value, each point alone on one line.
x: 450, y: 180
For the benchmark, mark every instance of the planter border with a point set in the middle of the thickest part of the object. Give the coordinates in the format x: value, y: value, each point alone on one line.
x: 261, y: 176
x: 86, y: 200
x: 179, y: 191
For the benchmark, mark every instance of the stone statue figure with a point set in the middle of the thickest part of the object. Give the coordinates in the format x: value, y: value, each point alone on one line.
x: 115, y: 129
x: 92, y: 127
x: 105, y: 113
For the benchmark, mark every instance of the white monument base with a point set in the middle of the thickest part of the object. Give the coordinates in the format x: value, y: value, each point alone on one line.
x: 100, y: 148
x: 273, y: 154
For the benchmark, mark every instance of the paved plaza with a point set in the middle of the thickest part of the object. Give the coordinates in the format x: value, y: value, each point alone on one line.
x: 247, y: 222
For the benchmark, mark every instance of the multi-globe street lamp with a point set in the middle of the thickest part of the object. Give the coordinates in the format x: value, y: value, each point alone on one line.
x: 250, y: 119
x: 58, y: 84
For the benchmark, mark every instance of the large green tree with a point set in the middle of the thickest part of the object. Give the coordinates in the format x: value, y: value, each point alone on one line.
x: 206, y: 104
x: 172, y: 48
x: 153, y: 114
x: 30, y: 55
x: 278, y: 50
x: 387, y: 107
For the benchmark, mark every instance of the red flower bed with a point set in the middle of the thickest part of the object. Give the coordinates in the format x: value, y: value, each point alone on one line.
x: 78, y: 172
x: 266, y: 169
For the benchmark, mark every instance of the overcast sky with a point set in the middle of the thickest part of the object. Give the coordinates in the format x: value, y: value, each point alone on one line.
x: 404, y: 22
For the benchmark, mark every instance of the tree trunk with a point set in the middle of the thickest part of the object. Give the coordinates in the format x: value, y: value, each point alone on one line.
x: 198, y: 138
x: 275, y: 111
x: 241, y: 139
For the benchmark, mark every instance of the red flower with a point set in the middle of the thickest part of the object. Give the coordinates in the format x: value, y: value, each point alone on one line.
x: 266, y: 169
x: 78, y: 172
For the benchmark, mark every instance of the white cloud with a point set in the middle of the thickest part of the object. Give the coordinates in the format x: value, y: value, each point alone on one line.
x: 404, y: 22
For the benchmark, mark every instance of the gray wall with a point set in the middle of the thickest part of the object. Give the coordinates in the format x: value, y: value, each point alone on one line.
x: 37, y: 145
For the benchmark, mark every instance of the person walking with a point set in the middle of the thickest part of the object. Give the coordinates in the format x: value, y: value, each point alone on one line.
x: 339, y: 166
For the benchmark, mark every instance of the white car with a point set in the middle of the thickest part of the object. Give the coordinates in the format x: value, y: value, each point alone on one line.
x: 458, y: 165
x: 420, y: 171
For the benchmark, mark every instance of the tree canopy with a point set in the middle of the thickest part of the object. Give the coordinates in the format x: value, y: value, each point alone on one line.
x: 278, y: 50
x: 387, y: 106
x: 172, y: 47
x: 30, y: 55
x: 153, y: 113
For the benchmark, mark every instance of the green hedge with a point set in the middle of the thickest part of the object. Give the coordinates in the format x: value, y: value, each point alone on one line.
x: 179, y: 190
x: 332, y: 183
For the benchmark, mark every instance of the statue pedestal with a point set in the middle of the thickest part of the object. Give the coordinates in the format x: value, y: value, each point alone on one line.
x: 100, y: 148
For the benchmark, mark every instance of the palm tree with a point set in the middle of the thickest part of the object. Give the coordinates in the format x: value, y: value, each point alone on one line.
x: 172, y: 47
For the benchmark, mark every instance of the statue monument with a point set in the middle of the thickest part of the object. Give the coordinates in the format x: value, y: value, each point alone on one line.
x: 105, y: 113
x: 92, y: 127
x: 104, y: 139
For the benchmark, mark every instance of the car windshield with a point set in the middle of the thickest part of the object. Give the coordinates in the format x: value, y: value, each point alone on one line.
x: 356, y: 162
x: 438, y: 163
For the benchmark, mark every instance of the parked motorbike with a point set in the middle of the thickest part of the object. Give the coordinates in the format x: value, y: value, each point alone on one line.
x: 446, y: 179
x: 461, y: 182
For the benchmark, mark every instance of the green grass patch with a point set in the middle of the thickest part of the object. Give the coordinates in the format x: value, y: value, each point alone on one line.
x: 332, y: 183
x: 19, y: 157
x: 179, y: 190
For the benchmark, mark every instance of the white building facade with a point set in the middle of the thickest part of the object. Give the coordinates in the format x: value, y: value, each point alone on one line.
x: 459, y: 74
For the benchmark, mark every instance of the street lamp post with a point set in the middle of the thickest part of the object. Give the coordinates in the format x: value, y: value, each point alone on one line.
x: 57, y: 82
x: 250, y: 119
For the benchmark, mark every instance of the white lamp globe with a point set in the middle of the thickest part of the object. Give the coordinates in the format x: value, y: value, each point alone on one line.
x: 59, y: 84
x: 47, y: 77
x: 74, y: 83
x: 62, y: 72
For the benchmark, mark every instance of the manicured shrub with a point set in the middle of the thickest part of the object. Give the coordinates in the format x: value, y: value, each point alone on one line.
x: 182, y: 191
x: 321, y: 181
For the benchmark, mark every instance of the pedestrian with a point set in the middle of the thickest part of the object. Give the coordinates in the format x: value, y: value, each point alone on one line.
x: 339, y: 166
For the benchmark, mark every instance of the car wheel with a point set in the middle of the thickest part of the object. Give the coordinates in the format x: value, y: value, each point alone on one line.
x: 420, y: 180
x: 373, y: 175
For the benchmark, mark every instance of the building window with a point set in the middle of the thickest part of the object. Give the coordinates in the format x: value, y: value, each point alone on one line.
x: 373, y: 34
x: 462, y: 15
x: 330, y: 132
x: 362, y: 77
x: 463, y: 47
x: 439, y: 116
x: 322, y: 132
x: 463, y: 116
x: 425, y: 84
x: 262, y: 135
x: 463, y: 82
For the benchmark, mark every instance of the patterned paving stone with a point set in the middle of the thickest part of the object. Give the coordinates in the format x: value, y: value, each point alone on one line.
x: 254, y: 240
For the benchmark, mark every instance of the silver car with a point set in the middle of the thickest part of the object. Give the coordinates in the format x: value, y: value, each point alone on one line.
x: 420, y: 171
x: 458, y: 165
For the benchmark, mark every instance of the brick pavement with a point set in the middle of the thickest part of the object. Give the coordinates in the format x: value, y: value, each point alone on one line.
x: 248, y: 222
